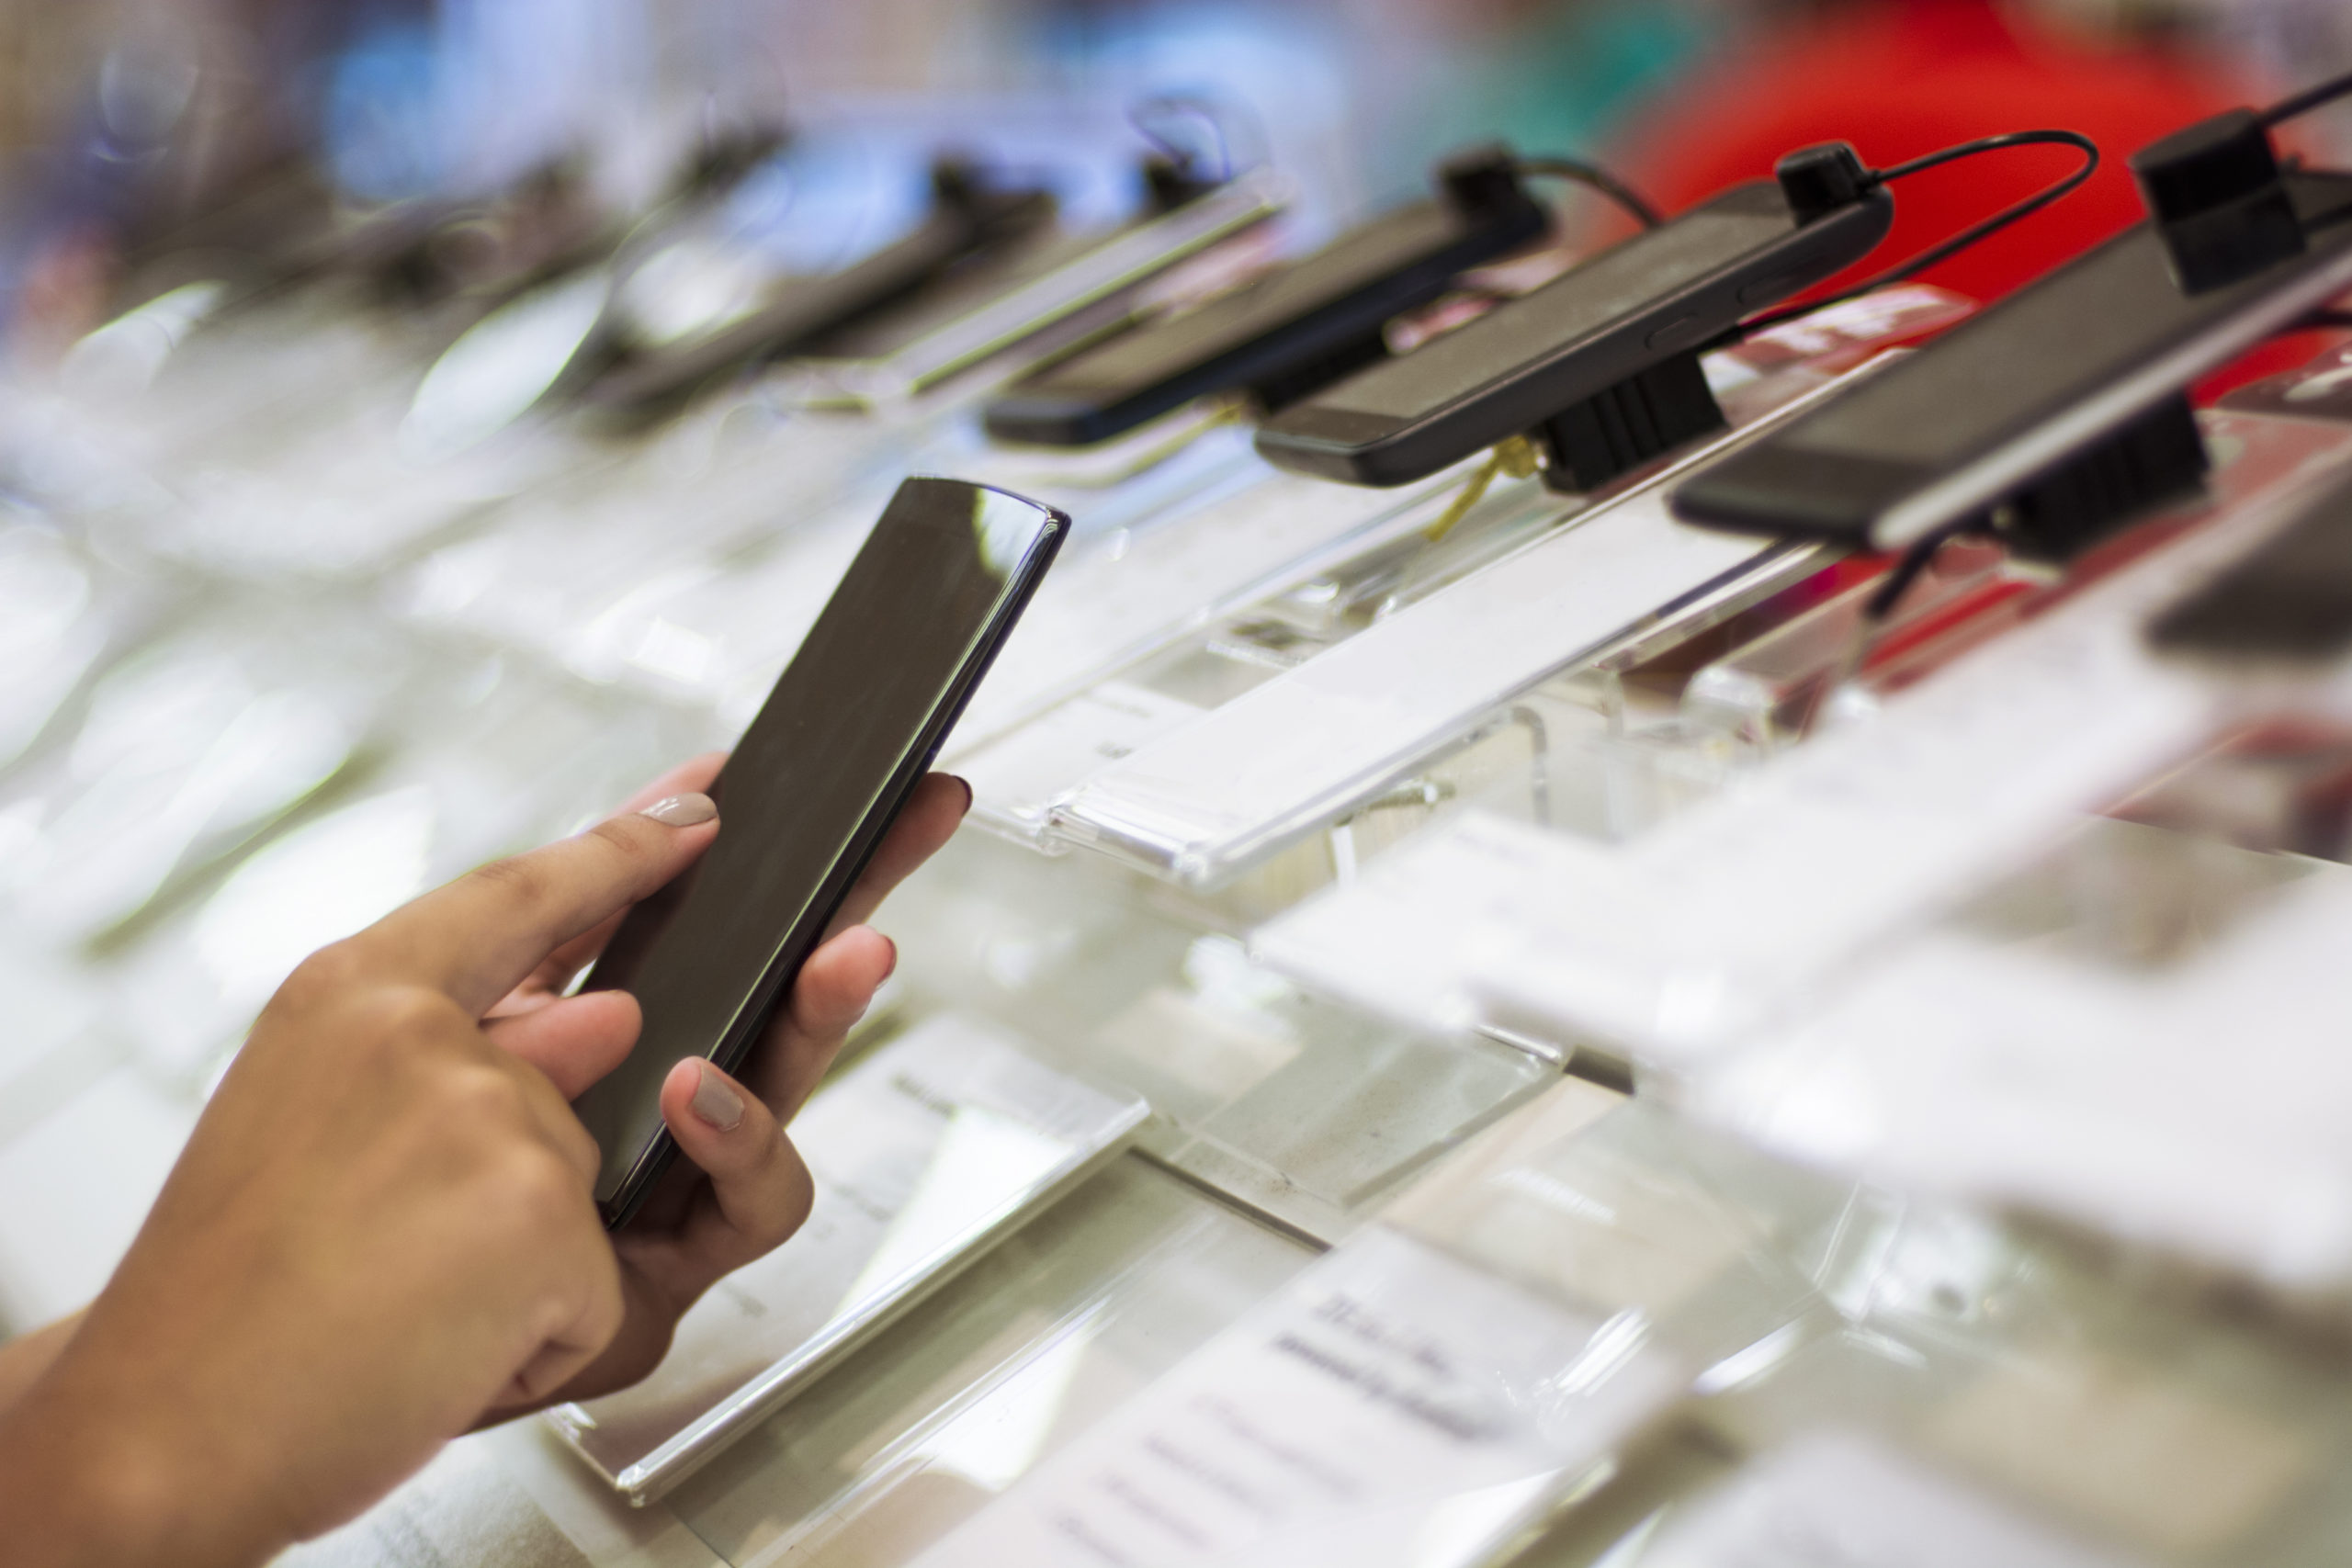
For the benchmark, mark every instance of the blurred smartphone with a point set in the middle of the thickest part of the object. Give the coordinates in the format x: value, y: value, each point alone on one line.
x: 969, y: 218
x: 1661, y: 293
x: 1290, y: 332
x: 2012, y: 394
x: 817, y: 780
x: 2287, y: 601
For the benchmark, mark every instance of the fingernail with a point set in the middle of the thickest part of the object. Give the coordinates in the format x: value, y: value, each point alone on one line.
x: 713, y: 1101
x: 893, y: 967
x: 968, y: 790
x: 682, y: 810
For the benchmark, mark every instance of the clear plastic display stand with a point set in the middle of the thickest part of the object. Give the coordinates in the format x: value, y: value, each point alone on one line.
x: 1428, y: 1390
x: 1667, y: 936
x: 938, y: 1145
x: 1135, y: 689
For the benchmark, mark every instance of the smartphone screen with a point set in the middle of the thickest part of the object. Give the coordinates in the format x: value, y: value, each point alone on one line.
x: 1335, y: 297
x: 1660, y: 293
x: 809, y: 792
x: 2018, y: 388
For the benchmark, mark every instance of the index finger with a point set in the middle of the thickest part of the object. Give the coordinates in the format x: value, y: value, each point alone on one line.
x: 476, y: 938
x: 694, y: 776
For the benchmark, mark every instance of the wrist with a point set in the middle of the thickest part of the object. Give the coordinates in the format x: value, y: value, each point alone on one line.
x: 83, y: 1482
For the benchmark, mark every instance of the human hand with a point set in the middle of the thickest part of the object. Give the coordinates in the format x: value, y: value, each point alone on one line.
x: 383, y: 1226
x: 741, y: 1189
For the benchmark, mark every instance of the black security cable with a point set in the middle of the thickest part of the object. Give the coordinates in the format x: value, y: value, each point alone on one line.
x: 1880, y: 606
x: 2309, y: 98
x: 1878, y: 610
x: 1945, y: 250
x: 1598, y: 179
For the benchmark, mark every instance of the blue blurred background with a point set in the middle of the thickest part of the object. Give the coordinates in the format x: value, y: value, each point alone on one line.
x: 118, y: 119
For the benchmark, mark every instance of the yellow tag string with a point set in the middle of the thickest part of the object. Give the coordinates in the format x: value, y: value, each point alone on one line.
x: 1231, y: 411
x: 1514, y: 458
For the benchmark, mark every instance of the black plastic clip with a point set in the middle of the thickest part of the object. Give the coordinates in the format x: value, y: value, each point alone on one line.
x: 2218, y: 200
x: 1666, y: 406
x: 2159, y: 456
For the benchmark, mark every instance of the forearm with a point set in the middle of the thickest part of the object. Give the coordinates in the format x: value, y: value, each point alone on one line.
x: 23, y: 1359
x: 89, y: 1478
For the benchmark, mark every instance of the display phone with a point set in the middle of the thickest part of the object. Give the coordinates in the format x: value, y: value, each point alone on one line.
x: 968, y: 218
x: 2007, y: 397
x: 1290, y: 330
x: 814, y: 784
x: 1661, y: 295
x: 2286, y: 601
x: 1043, y: 294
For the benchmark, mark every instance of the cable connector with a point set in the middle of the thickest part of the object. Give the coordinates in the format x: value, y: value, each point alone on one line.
x: 2218, y: 200
x: 1830, y: 176
x: 1821, y: 179
x: 1482, y: 180
x: 1170, y: 182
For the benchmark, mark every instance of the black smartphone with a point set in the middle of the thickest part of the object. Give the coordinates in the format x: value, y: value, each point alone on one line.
x: 968, y: 219
x: 2011, y: 395
x: 2287, y: 601
x: 1288, y: 331
x: 814, y: 784
x: 1661, y: 294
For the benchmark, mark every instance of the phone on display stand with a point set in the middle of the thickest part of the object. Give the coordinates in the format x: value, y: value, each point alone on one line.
x: 1290, y: 332
x: 1643, y: 308
x: 2063, y: 403
x: 970, y: 216
x: 823, y: 770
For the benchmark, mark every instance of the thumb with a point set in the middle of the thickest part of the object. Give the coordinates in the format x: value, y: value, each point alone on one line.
x: 762, y: 1190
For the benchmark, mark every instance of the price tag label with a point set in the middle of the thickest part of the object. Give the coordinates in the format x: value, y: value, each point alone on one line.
x: 1392, y: 1406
